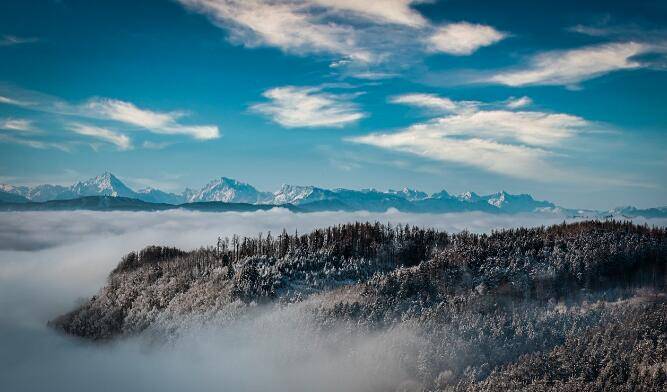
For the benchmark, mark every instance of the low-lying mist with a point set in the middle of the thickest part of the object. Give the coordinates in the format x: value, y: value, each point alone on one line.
x: 49, y: 261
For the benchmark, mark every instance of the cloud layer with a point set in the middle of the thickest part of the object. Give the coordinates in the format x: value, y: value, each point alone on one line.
x: 50, y: 260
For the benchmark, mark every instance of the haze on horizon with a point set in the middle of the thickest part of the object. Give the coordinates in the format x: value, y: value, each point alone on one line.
x: 561, y: 101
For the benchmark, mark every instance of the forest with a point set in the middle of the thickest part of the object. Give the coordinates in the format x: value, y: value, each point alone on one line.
x: 576, y: 306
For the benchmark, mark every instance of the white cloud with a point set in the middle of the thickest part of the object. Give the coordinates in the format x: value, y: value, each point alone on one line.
x: 166, y: 123
x: 15, y: 124
x: 390, y: 11
x: 512, y: 160
x: 11, y: 101
x: 467, y: 118
x: 293, y: 107
x: 119, y: 140
x: 515, y: 103
x: 529, y: 127
x: 501, y: 141
x: 288, y: 25
x: 432, y: 101
x: 463, y: 38
x: 128, y: 113
x: 156, y: 122
x: 569, y: 67
x: 360, y: 32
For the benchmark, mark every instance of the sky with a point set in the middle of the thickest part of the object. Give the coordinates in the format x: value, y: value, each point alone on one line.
x: 564, y: 100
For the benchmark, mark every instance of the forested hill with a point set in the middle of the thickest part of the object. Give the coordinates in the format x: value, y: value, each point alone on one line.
x: 500, y: 311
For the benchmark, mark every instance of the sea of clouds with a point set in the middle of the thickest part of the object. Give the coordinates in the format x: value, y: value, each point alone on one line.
x: 50, y: 261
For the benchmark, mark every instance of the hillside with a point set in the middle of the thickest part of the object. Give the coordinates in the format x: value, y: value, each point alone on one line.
x: 514, y: 309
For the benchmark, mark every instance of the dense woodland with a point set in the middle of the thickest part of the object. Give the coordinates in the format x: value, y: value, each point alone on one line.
x: 577, y: 306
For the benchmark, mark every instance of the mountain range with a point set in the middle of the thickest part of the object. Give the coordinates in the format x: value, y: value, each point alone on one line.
x: 223, y: 190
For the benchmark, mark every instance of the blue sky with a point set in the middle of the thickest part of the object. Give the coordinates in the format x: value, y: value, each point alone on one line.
x: 564, y: 101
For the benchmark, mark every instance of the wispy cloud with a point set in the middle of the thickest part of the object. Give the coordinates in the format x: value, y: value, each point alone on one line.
x: 119, y: 140
x: 387, y: 11
x: 569, y: 67
x: 16, y: 124
x: 513, y: 143
x: 113, y: 110
x: 292, y: 26
x: 433, y: 102
x: 10, y: 101
x: 463, y: 38
x: 359, y: 32
x: 527, y: 127
x: 156, y: 122
x: 294, y: 107
x: 11, y: 40
x: 517, y: 161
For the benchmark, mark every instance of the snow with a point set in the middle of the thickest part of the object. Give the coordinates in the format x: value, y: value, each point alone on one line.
x: 229, y: 190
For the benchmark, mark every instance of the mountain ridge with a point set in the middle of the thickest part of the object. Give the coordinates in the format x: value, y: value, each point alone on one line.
x: 311, y: 198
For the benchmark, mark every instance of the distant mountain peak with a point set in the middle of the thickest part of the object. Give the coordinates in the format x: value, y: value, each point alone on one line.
x: 409, y: 194
x: 106, y: 184
x: 470, y: 197
x: 295, y: 194
x: 443, y: 194
x: 227, y: 190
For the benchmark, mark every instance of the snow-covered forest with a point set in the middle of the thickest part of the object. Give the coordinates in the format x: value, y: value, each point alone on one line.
x: 577, y: 306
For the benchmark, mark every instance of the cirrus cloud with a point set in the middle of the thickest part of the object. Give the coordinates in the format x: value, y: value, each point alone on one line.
x: 156, y: 122
x: 118, y: 139
x: 16, y: 124
x: 109, y: 111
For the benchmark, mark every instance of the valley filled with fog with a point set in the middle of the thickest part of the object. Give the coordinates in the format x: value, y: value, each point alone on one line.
x: 52, y: 261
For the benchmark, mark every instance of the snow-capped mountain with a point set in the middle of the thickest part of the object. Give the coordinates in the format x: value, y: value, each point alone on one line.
x: 409, y: 194
x: 50, y: 192
x: 295, y: 194
x: 40, y: 192
x: 469, y: 197
x: 103, y: 185
x: 311, y: 198
x: 515, y: 203
x: 17, y: 190
x: 229, y: 191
